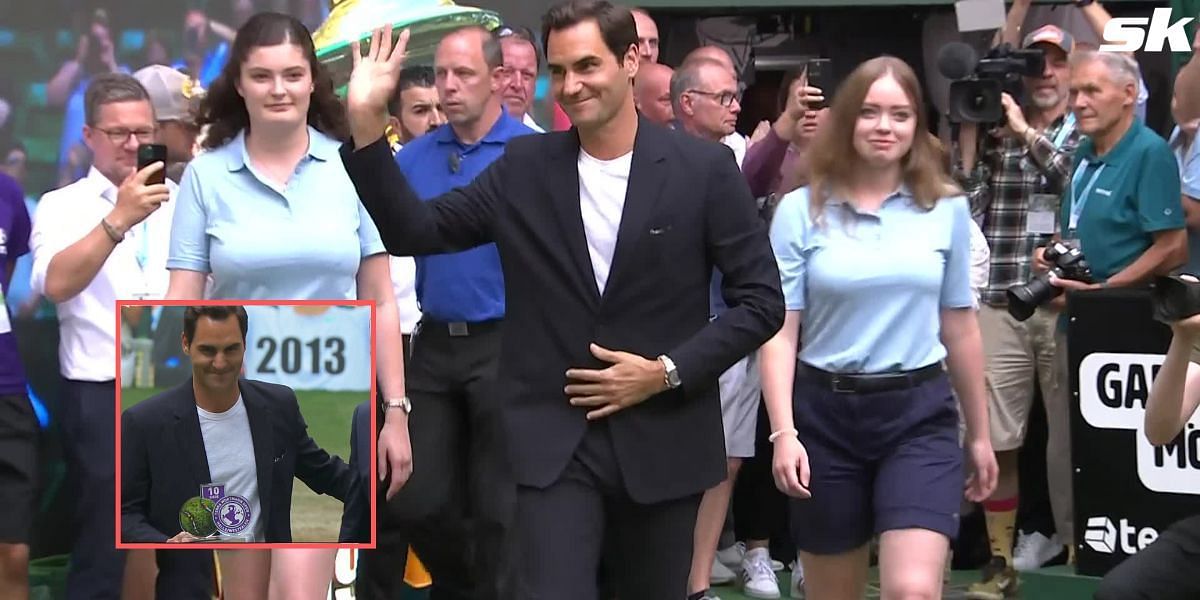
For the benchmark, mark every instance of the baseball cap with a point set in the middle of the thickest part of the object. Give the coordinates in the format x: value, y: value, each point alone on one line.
x: 171, y: 93
x: 1050, y: 34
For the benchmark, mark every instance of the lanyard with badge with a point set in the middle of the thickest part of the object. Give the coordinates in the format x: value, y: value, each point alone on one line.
x: 1043, y: 208
x: 141, y: 236
x: 142, y: 254
x: 1079, y: 199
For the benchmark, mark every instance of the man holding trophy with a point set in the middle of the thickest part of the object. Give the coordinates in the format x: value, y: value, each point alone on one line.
x: 213, y: 459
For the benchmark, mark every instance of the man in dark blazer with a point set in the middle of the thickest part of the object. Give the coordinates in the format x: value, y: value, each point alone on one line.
x: 608, y: 235
x: 165, y: 453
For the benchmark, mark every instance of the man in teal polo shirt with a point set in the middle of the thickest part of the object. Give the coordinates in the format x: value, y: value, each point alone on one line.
x: 1122, y: 206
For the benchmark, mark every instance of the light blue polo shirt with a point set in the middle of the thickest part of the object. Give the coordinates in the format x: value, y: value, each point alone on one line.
x: 263, y: 241
x: 872, y: 285
x: 1188, y: 160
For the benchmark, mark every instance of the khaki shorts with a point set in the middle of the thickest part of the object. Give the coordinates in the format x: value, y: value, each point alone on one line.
x: 741, y: 391
x: 1016, y: 355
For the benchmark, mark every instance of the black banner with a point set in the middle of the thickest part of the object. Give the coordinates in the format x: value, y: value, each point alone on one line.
x: 1126, y: 491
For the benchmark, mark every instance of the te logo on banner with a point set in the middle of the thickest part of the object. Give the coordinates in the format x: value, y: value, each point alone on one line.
x: 1106, y: 538
x: 1128, y: 34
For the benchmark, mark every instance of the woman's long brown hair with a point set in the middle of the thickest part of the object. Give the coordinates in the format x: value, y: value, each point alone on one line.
x: 833, y: 167
x: 223, y: 108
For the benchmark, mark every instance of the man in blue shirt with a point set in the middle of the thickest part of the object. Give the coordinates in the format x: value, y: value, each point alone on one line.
x: 461, y: 495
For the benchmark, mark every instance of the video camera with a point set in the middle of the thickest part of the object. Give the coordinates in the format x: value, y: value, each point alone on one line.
x: 976, y: 84
x: 1068, y: 262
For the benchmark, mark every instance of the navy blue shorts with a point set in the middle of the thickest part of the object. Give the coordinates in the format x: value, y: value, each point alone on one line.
x: 879, y: 462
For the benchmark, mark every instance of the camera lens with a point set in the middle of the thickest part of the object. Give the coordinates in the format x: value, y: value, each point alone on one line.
x: 1023, y: 300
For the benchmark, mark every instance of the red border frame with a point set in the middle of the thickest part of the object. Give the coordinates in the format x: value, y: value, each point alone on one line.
x: 200, y: 546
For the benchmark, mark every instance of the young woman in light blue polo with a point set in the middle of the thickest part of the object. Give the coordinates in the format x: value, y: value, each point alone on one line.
x: 270, y: 214
x: 875, y: 255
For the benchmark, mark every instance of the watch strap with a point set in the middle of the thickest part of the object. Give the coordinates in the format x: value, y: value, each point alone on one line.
x: 402, y: 403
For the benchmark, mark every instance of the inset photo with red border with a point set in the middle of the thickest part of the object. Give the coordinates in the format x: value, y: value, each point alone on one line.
x: 245, y: 424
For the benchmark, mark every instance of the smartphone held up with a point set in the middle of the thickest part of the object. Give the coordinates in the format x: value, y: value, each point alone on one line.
x: 148, y: 154
x: 819, y: 73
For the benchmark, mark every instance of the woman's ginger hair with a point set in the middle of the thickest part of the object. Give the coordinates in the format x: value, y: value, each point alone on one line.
x: 833, y: 167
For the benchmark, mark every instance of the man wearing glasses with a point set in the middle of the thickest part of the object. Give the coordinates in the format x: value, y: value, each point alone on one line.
x: 95, y: 241
x: 522, y: 63
x: 706, y: 101
x: 733, y: 139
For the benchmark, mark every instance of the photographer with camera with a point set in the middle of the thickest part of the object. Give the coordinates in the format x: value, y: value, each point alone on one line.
x: 1121, y: 210
x: 1165, y: 570
x: 1023, y: 166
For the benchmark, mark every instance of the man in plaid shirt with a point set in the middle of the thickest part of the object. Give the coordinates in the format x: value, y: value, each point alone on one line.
x: 1014, y: 188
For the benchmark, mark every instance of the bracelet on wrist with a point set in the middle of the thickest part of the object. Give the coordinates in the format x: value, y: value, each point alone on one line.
x: 782, y: 432
x: 116, y: 236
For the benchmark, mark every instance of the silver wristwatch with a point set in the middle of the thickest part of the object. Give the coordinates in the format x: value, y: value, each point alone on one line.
x: 402, y: 403
x: 672, y: 376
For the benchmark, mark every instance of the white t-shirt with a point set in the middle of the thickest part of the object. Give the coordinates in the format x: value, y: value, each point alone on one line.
x: 602, y: 185
x: 230, y: 450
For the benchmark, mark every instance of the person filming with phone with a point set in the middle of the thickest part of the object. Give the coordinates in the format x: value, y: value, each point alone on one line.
x: 98, y: 240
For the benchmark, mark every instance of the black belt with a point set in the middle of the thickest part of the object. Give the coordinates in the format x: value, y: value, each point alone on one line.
x: 459, y: 328
x: 851, y: 383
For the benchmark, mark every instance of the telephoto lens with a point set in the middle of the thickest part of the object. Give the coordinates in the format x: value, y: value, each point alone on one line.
x: 1069, y: 263
x: 1175, y: 297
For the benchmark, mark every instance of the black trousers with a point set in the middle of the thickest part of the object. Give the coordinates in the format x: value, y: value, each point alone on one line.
x: 89, y: 443
x: 1165, y: 570
x: 586, y: 515
x: 457, y: 509
x: 760, y: 510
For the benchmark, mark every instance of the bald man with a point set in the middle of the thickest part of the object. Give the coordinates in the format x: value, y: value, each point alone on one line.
x: 647, y: 31
x: 652, y: 92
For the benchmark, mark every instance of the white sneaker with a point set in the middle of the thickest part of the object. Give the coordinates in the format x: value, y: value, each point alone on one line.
x: 721, y: 575
x: 796, y: 590
x: 758, y: 579
x: 732, y: 556
x: 1034, y: 550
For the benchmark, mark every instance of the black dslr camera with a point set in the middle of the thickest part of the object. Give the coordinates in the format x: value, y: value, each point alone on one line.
x: 1068, y: 262
x: 1175, y: 298
x: 975, y: 98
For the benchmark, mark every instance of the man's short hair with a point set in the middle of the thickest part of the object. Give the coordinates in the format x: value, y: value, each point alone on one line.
x: 1121, y: 67
x: 516, y: 32
x: 109, y: 88
x: 421, y: 76
x: 616, y: 23
x: 492, y: 54
x: 217, y: 313
x: 687, y: 77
